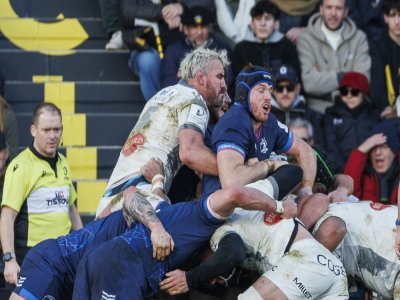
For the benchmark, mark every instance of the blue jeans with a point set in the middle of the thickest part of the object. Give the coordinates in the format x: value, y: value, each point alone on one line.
x: 146, y: 64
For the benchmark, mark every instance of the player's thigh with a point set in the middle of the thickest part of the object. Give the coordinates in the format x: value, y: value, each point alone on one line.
x: 41, y: 274
x: 308, y: 270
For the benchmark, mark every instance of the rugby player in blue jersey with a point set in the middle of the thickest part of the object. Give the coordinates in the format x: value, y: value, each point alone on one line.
x: 125, y: 268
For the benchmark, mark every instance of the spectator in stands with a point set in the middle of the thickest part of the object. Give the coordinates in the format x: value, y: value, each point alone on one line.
x: 385, y: 56
x: 288, y: 103
x: 39, y: 196
x: 294, y: 16
x: 367, y: 14
x: 111, y: 22
x: 233, y: 18
x: 374, y: 165
x: 197, y: 27
x: 146, y: 49
x: 148, y: 28
x: 4, y: 161
x: 350, y: 121
x: 330, y: 46
x: 268, y: 46
x: 8, y: 122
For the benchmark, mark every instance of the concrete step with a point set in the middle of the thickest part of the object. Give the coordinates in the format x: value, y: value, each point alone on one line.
x: 83, y: 65
x: 89, y: 96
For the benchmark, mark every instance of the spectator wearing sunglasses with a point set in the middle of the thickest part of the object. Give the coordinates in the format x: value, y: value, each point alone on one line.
x: 349, y: 122
x: 288, y: 103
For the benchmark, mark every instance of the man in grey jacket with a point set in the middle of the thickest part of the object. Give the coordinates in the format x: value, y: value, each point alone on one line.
x: 330, y: 46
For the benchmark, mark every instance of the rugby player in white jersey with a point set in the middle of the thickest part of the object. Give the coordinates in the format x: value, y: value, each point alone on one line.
x: 171, y: 127
x: 292, y: 263
x: 366, y: 250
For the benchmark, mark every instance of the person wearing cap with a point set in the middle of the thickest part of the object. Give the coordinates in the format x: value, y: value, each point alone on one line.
x: 349, y: 122
x: 197, y: 28
x: 268, y: 46
x: 289, y: 104
x: 374, y: 165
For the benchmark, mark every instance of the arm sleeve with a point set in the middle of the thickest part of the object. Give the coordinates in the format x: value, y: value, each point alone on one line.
x: 234, y: 135
x: 332, y: 144
x: 143, y: 9
x: 315, y: 82
x: 284, y: 138
x: 16, y: 185
x: 355, y: 168
x: 194, y: 116
x: 229, y: 254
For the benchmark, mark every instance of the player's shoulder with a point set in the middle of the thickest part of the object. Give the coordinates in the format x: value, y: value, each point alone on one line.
x: 179, y: 95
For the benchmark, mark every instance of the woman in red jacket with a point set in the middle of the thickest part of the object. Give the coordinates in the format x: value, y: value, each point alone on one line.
x: 374, y: 165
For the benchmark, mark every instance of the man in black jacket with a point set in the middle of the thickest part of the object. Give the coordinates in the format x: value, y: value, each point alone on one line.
x: 385, y: 56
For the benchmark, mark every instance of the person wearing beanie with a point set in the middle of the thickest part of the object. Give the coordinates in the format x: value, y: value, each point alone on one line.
x: 349, y: 122
x: 374, y: 165
x: 197, y: 28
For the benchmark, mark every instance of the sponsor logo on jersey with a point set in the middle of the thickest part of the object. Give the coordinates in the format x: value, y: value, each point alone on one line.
x: 378, y: 206
x: 132, y: 144
x: 335, y: 269
x: 263, y: 146
x: 16, y: 166
x: 106, y: 296
x: 302, y: 288
x: 198, y: 116
x: 59, y: 199
x: 271, y: 218
x: 48, y: 297
x: 43, y: 173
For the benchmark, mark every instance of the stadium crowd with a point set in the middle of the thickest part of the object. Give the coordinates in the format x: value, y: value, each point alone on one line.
x: 285, y: 118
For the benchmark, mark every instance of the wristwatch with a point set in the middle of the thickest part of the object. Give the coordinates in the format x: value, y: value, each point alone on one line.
x: 279, y: 208
x: 8, y: 256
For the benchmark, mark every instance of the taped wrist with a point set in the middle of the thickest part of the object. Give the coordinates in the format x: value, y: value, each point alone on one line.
x: 230, y: 253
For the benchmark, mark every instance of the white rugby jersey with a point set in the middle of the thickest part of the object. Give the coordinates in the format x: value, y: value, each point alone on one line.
x: 156, y: 135
x: 367, y: 250
x: 265, y: 236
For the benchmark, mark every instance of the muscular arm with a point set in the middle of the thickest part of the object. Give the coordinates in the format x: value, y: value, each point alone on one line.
x: 195, y: 154
x: 7, y: 220
x: 305, y: 156
x: 231, y: 164
x: 343, y: 186
x: 138, y: 206
x: 75, y: 217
